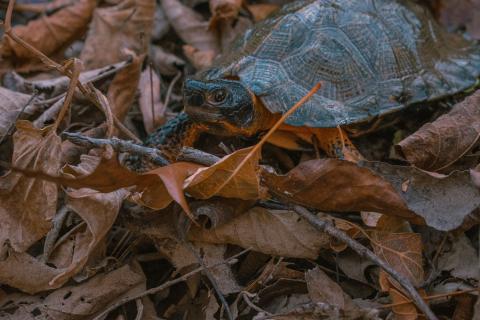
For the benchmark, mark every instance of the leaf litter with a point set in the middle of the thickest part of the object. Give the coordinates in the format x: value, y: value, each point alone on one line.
x: 117, y: 232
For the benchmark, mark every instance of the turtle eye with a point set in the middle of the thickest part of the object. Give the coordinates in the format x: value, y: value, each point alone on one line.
x: 219, y: 95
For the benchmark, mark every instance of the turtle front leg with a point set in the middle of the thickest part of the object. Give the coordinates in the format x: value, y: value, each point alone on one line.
x: 336, y: 144
x: 172, y: 136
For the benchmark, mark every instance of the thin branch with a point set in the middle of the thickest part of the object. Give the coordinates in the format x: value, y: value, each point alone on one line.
x: 53, y: 234
x: 118, y: 145
x: 166, y: 285
x: 364, y: 252
x: 434, y: 297
x: 214, y: 283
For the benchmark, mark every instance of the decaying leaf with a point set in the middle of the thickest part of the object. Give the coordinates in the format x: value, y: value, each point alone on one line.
x: 444, y: 201
x: 438, y: 144
x: 126, y: 25
x: 50, y: 33
x: 441, y: 201
x: 274, y: 232
x: 11, y: 104
x: 79, y: 301
x: 208, y: 182
x: 27, y: 205
x: 458, y: 15
x: 190, y: 26
x: 152, y: 108
x: 224, y: 10
x: 261, y: 10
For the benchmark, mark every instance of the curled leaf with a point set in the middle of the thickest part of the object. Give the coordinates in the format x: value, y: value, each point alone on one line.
x: 438, y: 144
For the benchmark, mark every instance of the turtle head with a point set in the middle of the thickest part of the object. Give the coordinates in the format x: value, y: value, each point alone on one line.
x: 225, y: 106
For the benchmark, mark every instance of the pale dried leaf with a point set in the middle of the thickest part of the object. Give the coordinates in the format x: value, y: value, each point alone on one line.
x: 11, y: 104
x: 165, y: 62
x: 201, y: 59
x: 438, y: 144
x: 190, y: 26
x: 151, y: 106
x: 50, y: 33
x: 126, y: 25
x: 206, y: 182
x: 27, y: 205
x: 274, y: 232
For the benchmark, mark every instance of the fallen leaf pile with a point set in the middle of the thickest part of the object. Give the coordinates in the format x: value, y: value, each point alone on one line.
x: 85, y: 237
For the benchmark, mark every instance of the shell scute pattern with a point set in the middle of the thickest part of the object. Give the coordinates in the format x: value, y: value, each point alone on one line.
x: 372, y: 57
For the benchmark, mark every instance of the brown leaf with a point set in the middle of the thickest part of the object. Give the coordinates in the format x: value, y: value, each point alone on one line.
x: 335, y: 185
x: 165, y: 62
x: 402, y: 251
x: 201, y: 59
x: 84, y: 300
x: 322, y: 289
x: 11, y: 104
x: 152, y: 108
x: 223, y: 10
x: 124, y: 26
x: 439, y: 144
x: 190, y: 26
x: 443, y: 201
x: 99, y: 211
x: 158, y: 187
x: 207, y: 182
x: 27, y: 205
x: 273, y: 232
x: 459, y: 15
x: 261, y: 10
x: 121, y: 92
x: 50, y: 33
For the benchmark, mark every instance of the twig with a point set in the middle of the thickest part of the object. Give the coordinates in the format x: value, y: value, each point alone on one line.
x: 35, y: 94
x: 245, y: 298
x: 214, y: 283
x: 170, y: 88
x: 53, y: 234
x: 52, y: 64
x: 118, y: 145
x: 364, y: 252
x: 166, y: 285
x: 197, y: 156
x: 76, y: 66
x: 140, y: 308
x: 434, y: 297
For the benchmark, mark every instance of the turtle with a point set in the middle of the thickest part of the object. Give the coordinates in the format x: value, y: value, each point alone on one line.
x: 372, y: 57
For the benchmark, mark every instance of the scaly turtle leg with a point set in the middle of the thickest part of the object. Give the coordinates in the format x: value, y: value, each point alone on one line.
x: 169, y: 139
x: 172, y: 136
x: 334, y: 141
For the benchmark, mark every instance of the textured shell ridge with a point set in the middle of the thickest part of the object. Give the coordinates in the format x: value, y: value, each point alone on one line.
x: 372, y: 57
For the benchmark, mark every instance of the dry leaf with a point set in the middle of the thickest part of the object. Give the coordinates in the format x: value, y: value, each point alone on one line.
x: 336, y: 185
x: 152, y: 108
x: 273, y: 232
x: 11, y: 104
x: 443, y: 201
x: 207, y: 182
x: 402, y: 251
x: 223, y: 11
x: 99, y: 211
x: 438, y: 144
x: 124, y: 26
x: 261, y: 10
x: 201, y: 59
x: 165, y: 62
x: 27, y: 205
x: 190, y: 26
x: 50, y: 33
x: 459, y: 15
x: 121, y: 92
x: 81, y: 301
x: 158, y: 187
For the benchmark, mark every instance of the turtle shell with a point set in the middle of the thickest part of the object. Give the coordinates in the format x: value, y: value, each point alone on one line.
x: 372, y: 57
